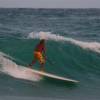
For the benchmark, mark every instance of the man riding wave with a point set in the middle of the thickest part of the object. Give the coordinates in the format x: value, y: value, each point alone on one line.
x: 39, y: 54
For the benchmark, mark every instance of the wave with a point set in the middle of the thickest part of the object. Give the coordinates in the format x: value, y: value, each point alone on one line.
x: 9, y: 67
x: 93, y: 46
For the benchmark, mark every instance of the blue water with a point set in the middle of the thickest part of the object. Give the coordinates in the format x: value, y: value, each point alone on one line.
x: 72, y: 47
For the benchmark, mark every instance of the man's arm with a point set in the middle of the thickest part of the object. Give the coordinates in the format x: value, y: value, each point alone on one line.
x: 44, y: 52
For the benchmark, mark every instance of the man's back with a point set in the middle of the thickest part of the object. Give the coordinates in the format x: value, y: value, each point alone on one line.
x: 40, y: 47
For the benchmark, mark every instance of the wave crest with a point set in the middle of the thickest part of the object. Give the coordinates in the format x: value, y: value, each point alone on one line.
x: 94, y: 46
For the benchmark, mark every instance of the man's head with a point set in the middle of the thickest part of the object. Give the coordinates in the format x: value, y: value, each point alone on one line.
x: 42, y: 41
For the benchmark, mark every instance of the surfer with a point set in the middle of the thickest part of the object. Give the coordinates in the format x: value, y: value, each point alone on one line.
x: 39, y: 54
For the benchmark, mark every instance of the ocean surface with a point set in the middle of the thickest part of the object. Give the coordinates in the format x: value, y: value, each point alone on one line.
x: 72, y: 49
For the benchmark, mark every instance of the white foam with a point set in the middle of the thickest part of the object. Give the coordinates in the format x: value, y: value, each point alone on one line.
x: 11, y: 68
x: 45, y: 35
x: 94, y: 46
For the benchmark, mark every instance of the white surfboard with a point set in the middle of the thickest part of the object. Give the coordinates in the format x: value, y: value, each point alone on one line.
x: 9, y: 67
x: 52, y: 76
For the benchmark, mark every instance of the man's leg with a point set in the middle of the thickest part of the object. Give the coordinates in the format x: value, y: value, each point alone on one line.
x: 41, y: 61
x: 42, y: 67
x: 42, y: 64
x: 33, y: 62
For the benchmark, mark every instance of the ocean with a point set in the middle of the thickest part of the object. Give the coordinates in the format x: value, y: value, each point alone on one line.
x: 72, y: 50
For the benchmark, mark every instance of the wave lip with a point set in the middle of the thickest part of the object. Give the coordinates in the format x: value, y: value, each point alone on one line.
x: 93, y: 46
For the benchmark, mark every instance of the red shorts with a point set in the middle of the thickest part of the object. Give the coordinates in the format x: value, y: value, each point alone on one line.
x: 39, y: 57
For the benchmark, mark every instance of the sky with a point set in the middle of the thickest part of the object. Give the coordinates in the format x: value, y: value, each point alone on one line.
x: 49, y: 3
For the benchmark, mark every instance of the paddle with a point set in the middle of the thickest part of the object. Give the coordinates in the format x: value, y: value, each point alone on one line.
x: 50, y: 62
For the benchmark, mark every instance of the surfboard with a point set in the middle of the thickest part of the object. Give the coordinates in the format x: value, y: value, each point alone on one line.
x: 52, y: 76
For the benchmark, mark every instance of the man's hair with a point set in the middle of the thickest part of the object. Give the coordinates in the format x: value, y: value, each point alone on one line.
x: 42, y: 41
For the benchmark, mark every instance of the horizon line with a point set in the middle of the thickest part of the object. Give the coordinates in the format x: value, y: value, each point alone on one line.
x: 46, y: 8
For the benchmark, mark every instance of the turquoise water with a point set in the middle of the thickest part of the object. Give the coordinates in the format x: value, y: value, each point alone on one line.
x: 72, y: 49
